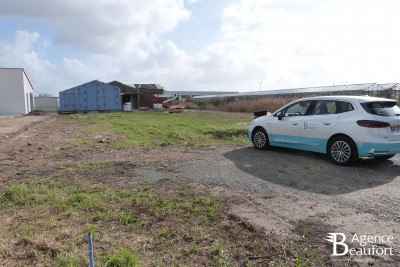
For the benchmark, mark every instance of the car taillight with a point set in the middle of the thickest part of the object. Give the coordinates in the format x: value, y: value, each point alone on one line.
x: 373, y: 124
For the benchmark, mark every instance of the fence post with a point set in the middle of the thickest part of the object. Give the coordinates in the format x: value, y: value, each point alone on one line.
x: 90, y: 243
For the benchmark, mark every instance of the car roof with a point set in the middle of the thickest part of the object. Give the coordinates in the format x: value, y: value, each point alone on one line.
x: 364, y: 98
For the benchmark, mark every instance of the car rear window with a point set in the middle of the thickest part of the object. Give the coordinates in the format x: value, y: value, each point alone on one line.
x: 382, y: 108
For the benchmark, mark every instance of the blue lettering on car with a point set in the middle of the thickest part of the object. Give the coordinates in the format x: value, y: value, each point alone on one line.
x: 310, y: 126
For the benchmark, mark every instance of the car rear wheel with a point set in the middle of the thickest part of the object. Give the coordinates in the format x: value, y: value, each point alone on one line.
x: 384, y: 157
x: 342, y: 151
x: 260, y: 138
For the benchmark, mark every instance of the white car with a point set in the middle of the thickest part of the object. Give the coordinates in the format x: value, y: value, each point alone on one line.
x: 343, y: 127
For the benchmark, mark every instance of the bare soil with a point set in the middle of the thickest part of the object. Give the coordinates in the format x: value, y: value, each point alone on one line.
x: 10, y: 125
x: 294, y: 195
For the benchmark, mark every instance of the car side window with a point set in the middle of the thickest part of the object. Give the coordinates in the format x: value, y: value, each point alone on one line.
x: 342, y: 107
x: 323, y: 107
x: 297, y: 109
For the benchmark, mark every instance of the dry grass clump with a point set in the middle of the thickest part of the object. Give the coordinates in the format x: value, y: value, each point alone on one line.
x: 191, y: 105
x: 243, y: 105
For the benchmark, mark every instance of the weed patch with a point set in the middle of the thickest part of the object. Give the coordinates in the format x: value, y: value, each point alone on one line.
x: 16, y: 194
x: 124, y: 257
x: 126, y: 219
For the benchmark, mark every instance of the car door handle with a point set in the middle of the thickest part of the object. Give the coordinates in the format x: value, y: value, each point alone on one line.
x: 295, y: 124
x: 327, y: 123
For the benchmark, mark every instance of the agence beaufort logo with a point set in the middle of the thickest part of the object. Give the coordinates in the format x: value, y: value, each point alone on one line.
x: 361, y: 245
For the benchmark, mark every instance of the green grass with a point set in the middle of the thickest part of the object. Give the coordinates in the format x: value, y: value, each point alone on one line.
x: 152, y: 129
x: 67, y: 260
x: 164, y: 233
x: 123, y: 257
x: 82, y: 207
x: 126, y: 218
x: 146, y: 225
x: 216, y: 249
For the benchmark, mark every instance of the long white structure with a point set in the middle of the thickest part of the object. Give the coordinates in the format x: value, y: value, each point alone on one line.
x: 16, y: 92
x: 388, y: 90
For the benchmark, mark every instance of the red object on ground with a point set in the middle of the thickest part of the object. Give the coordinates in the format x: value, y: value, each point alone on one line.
x: 176, y: 109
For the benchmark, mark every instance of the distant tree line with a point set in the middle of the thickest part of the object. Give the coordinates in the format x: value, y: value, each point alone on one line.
x: 44, y: 95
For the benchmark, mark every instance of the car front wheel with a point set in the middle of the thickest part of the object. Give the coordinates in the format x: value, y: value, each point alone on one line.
x: 342, y: 151
x: 260, y: 138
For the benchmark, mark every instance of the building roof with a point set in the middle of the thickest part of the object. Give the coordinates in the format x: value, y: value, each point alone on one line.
x: 190, y: 94
x: 146, y: 86
x: 84, y: 85
x: 129, y: 87
x: 362, y: 88
x: 122, y: 85
x: 388, y: 86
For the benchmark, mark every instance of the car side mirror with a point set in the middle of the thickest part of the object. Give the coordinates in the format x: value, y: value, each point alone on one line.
x: 279, y: 115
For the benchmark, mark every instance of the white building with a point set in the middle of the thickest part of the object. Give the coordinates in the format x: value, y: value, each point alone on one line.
x: 16, y: 92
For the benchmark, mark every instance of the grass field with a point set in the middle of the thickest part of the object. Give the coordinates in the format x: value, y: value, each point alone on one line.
x: 153, y: 129
x: 68, y: 190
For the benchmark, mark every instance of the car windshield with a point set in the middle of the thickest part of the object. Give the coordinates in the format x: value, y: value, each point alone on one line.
x: 297, y: 109
x: 382, y: 108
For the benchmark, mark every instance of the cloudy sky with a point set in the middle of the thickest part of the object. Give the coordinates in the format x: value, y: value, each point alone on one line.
x: 224, y: 45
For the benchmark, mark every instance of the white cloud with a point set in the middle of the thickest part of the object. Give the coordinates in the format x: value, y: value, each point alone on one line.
x: 120, y: 37
x: 166, y: 65
x: 285, y: 44
x: 192, y: 1
x: 46, y: 76
x: 102, y: 25
x: 305, y: 43
x: 22, y: 53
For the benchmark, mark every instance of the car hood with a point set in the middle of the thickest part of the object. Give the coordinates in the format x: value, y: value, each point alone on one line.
x: 264, y: 118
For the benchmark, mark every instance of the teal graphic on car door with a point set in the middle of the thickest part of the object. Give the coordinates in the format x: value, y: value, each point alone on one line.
x: 316, y: 128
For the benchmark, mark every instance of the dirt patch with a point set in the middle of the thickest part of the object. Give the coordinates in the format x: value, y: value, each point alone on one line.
x: 10, y: 125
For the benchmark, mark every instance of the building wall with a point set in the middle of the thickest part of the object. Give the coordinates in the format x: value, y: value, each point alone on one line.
x: 91, y: 96
x: 15, y: 92
x: 29, y: 94
x: 46, y: 103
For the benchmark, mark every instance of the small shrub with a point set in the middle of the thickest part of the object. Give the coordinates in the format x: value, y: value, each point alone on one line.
x: 126, y: 218
x: 193, y: 248
x: 211, y: 212
x: 92, y: 228
x: 16, y: 194
x: 67, y: 260
x: 216, y: 249
x: 124, y: 257
x: 191, y: 105
x: 164, y: 233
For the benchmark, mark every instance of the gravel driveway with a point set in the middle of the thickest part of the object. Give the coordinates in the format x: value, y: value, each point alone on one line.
x: 275, y: 189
